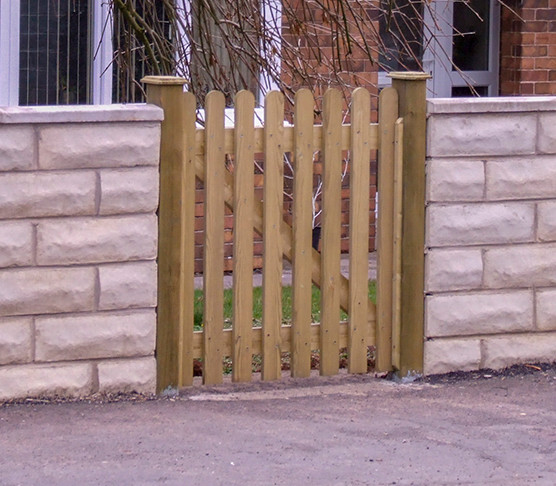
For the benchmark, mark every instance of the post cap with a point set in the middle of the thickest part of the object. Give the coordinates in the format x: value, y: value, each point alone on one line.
x: 409, y: 75
x: 164, y: 80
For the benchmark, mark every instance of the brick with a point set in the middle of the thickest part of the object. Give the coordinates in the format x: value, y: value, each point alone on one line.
x: 446, y: 355
x: 99, y: 145
x: 46, y: 290
x: 455, y: 180
x: 527, y: 178
x: 125, y: 376
x: 481, y: 134
x: 129, y: 190
x: 547, y: 134
x: 106, y: 335
x: 127, y: 285
x: 17, y: 147
x: 91, y: 240
x: 479, y: 313
x: 36, y: 194
x: 68, y: 380
x: 520, y: 266
x: 449, y: 270
x: 478, y: 224
x: 16, y: 244
x: 546, y: 310
x: 500, y: 352
x: 546, y: 221
x: 15, y: 340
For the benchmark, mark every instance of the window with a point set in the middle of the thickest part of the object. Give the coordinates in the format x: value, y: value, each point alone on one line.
x: 56, y: 52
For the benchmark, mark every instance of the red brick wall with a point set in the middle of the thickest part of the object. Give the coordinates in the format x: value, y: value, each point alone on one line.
x: 528, y: 48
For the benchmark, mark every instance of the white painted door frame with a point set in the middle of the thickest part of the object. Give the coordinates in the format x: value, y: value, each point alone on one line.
x: 437, y: 58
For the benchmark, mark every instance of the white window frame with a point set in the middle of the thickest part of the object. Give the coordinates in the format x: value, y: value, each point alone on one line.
x: 9, y: 52
x: 101, y: 69
x: 437, y: 56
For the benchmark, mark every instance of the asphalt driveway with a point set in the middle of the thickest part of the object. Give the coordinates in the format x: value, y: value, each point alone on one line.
x: 477, y: 428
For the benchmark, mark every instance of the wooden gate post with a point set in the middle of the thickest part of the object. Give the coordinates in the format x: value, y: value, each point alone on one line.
x: 174, y: 350
x: 411, y: 87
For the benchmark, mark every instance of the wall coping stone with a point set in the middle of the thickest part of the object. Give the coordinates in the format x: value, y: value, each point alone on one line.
x: 138, y: 112
x: 491, y: 105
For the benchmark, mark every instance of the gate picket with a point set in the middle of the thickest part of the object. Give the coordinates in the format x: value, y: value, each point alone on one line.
x: 273, y: 196
x: 302, y: 233
x: 331, y: 232
x: 359, y: 230
x: 243, y: 236
x: 213, y: 269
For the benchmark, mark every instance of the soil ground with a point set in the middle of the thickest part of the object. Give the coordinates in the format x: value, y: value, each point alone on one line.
x: 480, y: 428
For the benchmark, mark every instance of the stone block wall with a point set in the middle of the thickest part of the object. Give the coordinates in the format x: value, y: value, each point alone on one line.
x: 78, y: 246
x: 490, y: 233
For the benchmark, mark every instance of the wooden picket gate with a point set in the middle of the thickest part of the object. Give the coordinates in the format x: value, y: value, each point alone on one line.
x: 189, y: 152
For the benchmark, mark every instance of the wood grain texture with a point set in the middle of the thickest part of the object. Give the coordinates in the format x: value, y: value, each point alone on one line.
x: 302, y: 233
x: 388, y: 114
x: 331, y: 232
x: 243, y: 236
x: 273, y: 196
x: 213, y: 269
x: 360, y: 160
x: 172, y: 268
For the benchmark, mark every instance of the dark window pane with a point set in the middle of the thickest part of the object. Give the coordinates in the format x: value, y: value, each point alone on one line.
x: 465, y: 91
x: 401, y: 34
x: 471, y: 30
x: 54, y: 66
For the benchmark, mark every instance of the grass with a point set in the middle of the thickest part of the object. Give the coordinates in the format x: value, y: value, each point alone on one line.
x: 258, y: 306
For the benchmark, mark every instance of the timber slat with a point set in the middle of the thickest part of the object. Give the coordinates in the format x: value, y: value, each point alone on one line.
x: 273, y: 197
x: 213, y: 270
x: 302, y: 233
x: 288, y: 140
x: 388, y: 114
x: 187, y: 244
x: 397, y: 243
x: 331, y: 232
x: 360, y: 158
x: 285, y: 339
x: 243, y: 236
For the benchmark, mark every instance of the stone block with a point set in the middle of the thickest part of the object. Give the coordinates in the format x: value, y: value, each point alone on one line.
x: 449, y: 270
x: 446, y: 355
x: 129, y: 375
x: 547, y: 134
x: 17, y: 147
x: 91, y: 336
x: 68, y: 380
x: 480, y: 224
x: 92, y: 240
x: 520, y: 266
x: 129, y: 190
x: 36, y: 194
x: 16, y: 244
x: 482, y: 134
x: 127, y: 285
x: 521, y: 178
x: 15, y: 340
x: 546, y: 310
x: 455, y: 180
x: 546, y: 221
x: 99, y: 145
x: 46, y: 290
x: 500, y: 352
x: 477, y: 313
